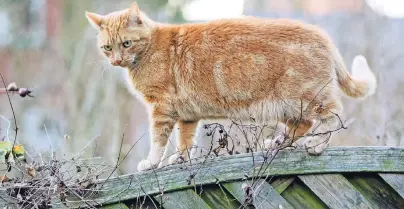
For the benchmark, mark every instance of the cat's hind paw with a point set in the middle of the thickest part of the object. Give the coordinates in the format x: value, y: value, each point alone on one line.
x: 146, y: 165
x: 176, y: 159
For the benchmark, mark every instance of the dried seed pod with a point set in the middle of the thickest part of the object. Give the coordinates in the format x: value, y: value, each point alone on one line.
x: 23, y: 92
x: 180, y: 159
x: 63, y: 197
x: 84, y: 184
x: 4, y: 178
x: 31, y: 172
x: 245, y: 186
x: 19, y: 197
x: 216, y: 151
x: 12, y: 87
x: 222, y: 143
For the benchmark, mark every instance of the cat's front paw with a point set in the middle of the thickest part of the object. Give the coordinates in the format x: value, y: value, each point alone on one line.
x: 176, y: 159
x: 316, y: 145
x: 146, y: 165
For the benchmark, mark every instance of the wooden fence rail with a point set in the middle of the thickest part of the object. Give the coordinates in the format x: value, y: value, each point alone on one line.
x: 342, y: 177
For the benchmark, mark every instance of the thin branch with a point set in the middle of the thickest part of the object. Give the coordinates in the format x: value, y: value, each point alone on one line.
x: 119, y: 163
x: 12, y: 109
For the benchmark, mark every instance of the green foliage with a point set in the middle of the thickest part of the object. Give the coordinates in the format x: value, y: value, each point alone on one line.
x: 7, y: 150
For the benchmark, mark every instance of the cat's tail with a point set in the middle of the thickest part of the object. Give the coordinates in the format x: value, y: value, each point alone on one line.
x: 361, y: 83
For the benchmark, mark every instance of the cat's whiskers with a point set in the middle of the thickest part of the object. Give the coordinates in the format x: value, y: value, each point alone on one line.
x: 106, y: 67
x: 99, y: 65
x: 96, y: 61
x: 102, y: 65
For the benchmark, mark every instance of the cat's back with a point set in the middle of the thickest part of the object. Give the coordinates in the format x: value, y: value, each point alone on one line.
x: 273, y: 30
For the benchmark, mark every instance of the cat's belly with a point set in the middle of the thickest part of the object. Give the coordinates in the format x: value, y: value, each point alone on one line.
x: 189, y: 109
x: 262, y: 111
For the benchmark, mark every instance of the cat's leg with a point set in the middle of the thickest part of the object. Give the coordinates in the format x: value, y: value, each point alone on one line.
x: 162, y: 124
x: 322, y: 133
x: 294, y: 130
x: 185, y: 141
x: 298, y: 128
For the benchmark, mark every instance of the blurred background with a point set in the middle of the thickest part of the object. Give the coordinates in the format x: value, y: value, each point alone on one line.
x: 49, y: 46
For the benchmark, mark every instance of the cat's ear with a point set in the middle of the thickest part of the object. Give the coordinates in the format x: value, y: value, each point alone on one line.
x: 134, y: 15
x: 94, y: 19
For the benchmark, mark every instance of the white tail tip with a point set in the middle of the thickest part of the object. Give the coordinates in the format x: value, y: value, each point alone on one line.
x: 361, y: 71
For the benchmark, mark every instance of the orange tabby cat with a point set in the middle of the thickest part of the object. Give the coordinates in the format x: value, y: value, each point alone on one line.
x: 238, y: 68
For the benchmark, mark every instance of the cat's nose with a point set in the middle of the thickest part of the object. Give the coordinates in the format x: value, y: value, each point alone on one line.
x: 116, y: 62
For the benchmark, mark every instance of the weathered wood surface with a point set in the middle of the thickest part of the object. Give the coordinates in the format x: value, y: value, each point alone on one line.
x: 335, y: 191
x: 376, y: 190
x: 216, y: 196
x: 396, y: 181
x: 229, y: 168
x: 183, y: 199
x: 116, y: 206
x: 142, y: 203
x: 281, y: 183
x: 263, y: 195
x: 301, y: 197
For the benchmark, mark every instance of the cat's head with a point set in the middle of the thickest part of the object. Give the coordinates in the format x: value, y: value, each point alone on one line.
x: 123, y: 36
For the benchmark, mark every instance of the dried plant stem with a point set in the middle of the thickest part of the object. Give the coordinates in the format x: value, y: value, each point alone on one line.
x: 12, y: 109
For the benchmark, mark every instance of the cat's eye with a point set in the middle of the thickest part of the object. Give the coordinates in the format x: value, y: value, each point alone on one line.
x: 107, y: 47
x: 127, y: 44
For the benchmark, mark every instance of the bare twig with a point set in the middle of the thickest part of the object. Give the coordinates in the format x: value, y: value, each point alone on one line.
x: 119, y: 163
x: 12, y: 109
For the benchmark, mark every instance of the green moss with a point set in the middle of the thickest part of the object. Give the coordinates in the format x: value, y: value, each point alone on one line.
x: 216, y: 197
x: 375, y: 190
x: 116, y: 206
x: 300, y: 196
x: 280, y: 184
x: 388, y: 164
